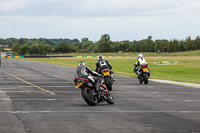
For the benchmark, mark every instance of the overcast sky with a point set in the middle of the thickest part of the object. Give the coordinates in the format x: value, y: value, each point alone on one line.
x: 121, y: 19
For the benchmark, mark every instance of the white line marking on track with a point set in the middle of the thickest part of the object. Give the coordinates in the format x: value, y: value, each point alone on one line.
x: 125, y: 82
x: 57, y: 86
x: 36, y: 78
x: 116, y: 92
x: 50, y: 86
x: 17, y: 81
x: 36, y: 91
x: 51, y: 82
x: 92, y: 111
x: 197, y: 86
x: 31, y: 84
x: 35, y: 82
x: 165, y: 100
x: 44, y: 86
x: 5, y: 99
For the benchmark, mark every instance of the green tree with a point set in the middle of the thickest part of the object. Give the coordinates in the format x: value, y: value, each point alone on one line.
x: 24, y: 49
x: 150, y: 44
x: 175, y: 45
x: 131, y: 47
x: 34, y: 50
x: 181, y: 46
x: 48, y: 49
x: 188, y: 45
x: 73, y: 48
x: 123, y: 45
x: 197, y: 43
x: 171, y: 46
x: 62, y: 47
x: 84, y: 40
x: 22, y: 41
x: 16, y: 49
x: 104, y: 44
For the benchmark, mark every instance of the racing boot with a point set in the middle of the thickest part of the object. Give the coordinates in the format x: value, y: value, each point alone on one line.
x: 138, y: 74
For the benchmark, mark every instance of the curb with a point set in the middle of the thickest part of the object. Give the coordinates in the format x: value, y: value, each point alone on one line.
x: 176, y: 83
x: 10, y: 57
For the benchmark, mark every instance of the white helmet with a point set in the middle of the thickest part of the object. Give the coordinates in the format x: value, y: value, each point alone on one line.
x: 100, y: 57
x: 140, y: 55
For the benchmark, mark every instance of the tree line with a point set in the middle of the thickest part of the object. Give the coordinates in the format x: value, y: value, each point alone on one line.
x: 42, y: 46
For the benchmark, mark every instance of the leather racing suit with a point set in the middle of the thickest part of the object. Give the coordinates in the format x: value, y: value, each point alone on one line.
x: 88, y: 73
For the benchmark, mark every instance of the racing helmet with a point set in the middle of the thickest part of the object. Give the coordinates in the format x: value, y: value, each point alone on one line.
x: 82, y: 63
x: 140, y: 55
x: 100, y: 57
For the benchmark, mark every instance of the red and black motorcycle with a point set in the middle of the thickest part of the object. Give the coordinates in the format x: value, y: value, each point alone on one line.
x: 90, y: 94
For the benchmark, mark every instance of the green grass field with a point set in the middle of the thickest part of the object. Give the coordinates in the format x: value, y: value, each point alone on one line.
x: 134, y: 54
x: 175, y: 68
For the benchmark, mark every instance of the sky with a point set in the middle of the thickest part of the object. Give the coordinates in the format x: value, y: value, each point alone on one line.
x: 121, y: 19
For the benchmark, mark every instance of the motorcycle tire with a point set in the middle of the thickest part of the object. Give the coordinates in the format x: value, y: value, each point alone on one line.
x: 110, y: 99
x: 145, y: 78
x: 108, y: 83
x: 140, y: 80
x: 88, y: 96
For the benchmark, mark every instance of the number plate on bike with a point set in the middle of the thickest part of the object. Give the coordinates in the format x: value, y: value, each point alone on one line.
x: 145, y: 69
x: 106, y: 73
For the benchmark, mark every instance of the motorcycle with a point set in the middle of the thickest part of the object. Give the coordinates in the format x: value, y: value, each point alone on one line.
x: 107, y: 76
x: 144, y: 74
x: 90, y: 94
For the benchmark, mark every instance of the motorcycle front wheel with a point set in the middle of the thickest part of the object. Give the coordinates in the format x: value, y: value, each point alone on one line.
x: 110, y: 99
x: 140, y: 80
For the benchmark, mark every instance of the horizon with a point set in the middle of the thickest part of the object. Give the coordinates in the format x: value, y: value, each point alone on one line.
x: 192, y: 38
x: 121, y: 19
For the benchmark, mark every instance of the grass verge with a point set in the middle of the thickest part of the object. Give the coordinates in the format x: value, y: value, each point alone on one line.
x: 175, y: 68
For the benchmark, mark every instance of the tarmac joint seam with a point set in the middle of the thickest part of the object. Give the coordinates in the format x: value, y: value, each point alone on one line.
x: 31, y: 84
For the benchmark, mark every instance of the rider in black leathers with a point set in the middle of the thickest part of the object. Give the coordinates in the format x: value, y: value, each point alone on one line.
x: 102, y: 64
x: 83, y: 71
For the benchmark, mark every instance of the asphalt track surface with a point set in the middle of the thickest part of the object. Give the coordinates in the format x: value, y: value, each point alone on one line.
x: 40, y: 98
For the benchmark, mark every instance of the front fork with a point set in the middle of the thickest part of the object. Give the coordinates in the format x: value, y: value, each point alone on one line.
x: 102, y: 94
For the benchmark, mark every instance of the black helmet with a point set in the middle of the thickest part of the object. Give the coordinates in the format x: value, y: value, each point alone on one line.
x: 82, y: 63
x: 100, y: 57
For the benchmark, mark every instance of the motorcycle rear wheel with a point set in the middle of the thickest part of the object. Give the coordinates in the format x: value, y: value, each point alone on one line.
x: 108, y: 83
x: 145, y: 78
x: 88, y: 96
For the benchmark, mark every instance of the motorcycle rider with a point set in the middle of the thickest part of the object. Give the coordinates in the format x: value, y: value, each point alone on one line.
x: 103, y: 64
x: 83, y: 71
x: 140, y: 61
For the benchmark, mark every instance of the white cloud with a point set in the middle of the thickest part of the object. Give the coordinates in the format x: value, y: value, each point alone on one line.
x: 12, y: 5
x: 95, y: 8
x: 122, y: 19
